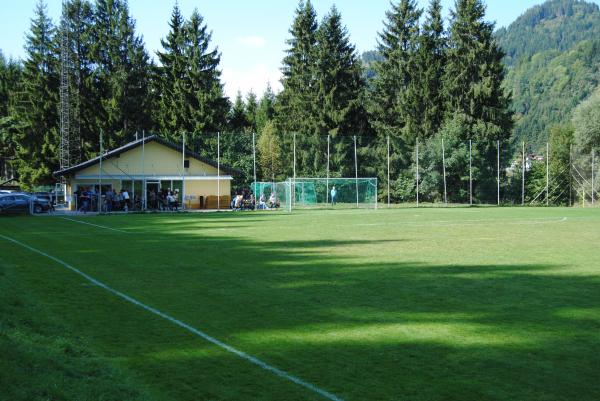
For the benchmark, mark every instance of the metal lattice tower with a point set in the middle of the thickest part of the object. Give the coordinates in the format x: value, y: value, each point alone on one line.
x: 65, y: 99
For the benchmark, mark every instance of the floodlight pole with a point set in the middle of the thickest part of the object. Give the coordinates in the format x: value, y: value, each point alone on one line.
x: 547, y: 174
x: 218, y: 171
x: 417, y: 172
x: 523, y: 176
x: 356, y: 169
x: 470, y: 173
x: 388, y: 170
x: 327, y: 194
x: 444, y: 170
x: 498, y: 168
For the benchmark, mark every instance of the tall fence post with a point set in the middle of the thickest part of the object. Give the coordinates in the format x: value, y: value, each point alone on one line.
x: 547, y: 174
x: 417, y: 172
x: 523, y: 177
x: 388, y: 170
x: 328, y: 173
x: 498, y: 172
x: 470, y: 172
x: 593, y: 184
x: 571, y: 175
x: 356, y: 169
x: 218, y: 170
x: 444, y: 170
x: 254, y: 163
x: 100, y: 176
x: 294, y: 172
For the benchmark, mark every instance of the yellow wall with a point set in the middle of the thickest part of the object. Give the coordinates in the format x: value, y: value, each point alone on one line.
x: 159, y: 160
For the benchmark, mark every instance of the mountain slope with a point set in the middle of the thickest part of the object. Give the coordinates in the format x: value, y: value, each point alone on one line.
x: 554, y: 25
x: 547, y: 87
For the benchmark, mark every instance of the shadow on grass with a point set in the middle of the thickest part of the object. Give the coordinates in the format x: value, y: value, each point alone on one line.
x: 361, y: 329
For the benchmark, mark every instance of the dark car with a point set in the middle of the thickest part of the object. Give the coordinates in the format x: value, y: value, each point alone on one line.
x: 22, y: 203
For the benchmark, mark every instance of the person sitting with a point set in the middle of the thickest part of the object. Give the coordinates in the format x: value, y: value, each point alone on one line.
x: 262, y: 202
x: 239, y: 200
x: 273, y: 200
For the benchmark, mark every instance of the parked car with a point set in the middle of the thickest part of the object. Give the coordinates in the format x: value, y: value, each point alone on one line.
x: 20, y: 203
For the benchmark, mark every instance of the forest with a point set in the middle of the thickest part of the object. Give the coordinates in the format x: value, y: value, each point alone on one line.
x: 430, y: 80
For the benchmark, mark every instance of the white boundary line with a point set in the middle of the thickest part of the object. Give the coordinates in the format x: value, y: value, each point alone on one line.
x: 94, y: 225
x: 199, y: 333
x: 453, y: 223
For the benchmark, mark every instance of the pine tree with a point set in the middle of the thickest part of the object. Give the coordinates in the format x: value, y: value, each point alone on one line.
x: 476, y: 106
x: 393, y: 104
x: 122, y: 73
x: 251, y: 111
x: 431, y: 63
x: 474, y: 74
x: 36, y: 104
x: 10, y: 76
x: 206, y: 106
x: 238, y: 122
x: 266, y: 109
x: 395, y: 87
x: 297, y: 102
x: 170, y: 77
x: 78, y: 18
x: 190, y: 96
x: 340, y: 87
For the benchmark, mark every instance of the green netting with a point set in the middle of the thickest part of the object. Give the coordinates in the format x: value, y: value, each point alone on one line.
x: 272, y: 195
x: 350, y: 192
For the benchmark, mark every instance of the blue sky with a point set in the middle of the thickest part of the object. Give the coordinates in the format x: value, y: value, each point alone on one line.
x: 250, y: 34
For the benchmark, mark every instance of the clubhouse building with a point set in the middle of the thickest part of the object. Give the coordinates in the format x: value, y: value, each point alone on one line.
x: 153, y: 164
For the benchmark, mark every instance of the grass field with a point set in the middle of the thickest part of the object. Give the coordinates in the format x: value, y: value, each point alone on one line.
x: 408, y: 304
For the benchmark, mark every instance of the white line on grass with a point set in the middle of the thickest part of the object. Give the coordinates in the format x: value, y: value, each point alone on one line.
x: 452, y: 223
x: 95, y: 225
x: 186, y: 326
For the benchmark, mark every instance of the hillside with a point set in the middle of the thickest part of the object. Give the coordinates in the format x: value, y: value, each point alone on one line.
x: 553, y: 59
x: 547, y: 87
x: 554, y: 25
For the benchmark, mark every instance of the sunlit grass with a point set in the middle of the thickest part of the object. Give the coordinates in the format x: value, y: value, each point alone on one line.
x: 403, y: 304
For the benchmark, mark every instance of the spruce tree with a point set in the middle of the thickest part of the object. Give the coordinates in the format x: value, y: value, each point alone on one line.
x: 395, y: 90
x: 122, y: 73
x: 297, y: 102
x: 10, y: 76
x: 340, y: 87
x: 431, y: 64
x: 266, y: 109
x: 477, y: 107
x: 170, y: 77
x: 36, y: 104
x: 206, y: 105
x: 251, y: 110
x: 77, y: 25
x: 237, y: 116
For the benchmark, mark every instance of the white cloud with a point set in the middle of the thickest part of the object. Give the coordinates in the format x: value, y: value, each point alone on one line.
x: 253, y: 42
x: 255, y: 78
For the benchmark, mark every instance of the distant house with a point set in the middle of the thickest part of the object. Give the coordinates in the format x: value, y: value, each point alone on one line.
x: 153, y: 164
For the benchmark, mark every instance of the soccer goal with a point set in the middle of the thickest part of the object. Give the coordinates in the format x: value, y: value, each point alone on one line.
x: 273, y: 195
x: 334, y: 192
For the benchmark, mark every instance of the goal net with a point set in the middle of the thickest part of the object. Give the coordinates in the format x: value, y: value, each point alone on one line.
x: 334, y: 192
x: 272, y: 195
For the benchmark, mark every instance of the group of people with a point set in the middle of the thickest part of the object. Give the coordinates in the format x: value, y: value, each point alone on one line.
x: 165, y: 199
x: 88, y: 197
x: 112, y: 201
x: 245, y: 200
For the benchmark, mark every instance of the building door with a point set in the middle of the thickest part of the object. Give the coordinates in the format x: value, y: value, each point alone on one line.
x: 152, y: 186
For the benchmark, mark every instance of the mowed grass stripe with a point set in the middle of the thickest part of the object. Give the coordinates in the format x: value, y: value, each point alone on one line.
x: 453, y: 317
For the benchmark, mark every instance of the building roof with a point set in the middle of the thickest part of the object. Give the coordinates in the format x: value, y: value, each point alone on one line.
x: 139, y: 142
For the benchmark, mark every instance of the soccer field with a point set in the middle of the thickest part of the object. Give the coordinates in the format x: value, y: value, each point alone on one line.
x: 405, y: 304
